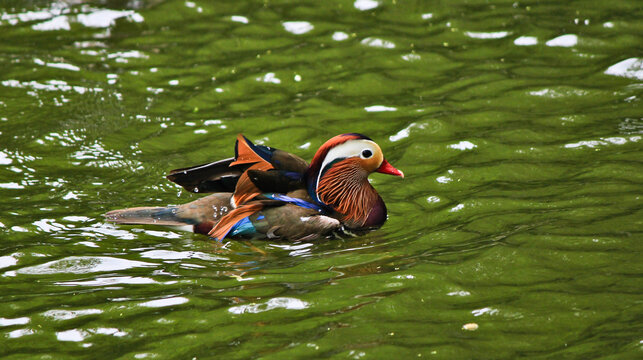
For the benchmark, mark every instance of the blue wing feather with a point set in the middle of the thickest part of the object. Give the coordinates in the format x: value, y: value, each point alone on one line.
x: 243, y: 227
x: 294, y: 201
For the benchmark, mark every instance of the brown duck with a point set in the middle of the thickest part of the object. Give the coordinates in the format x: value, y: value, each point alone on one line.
x: 268, y: 193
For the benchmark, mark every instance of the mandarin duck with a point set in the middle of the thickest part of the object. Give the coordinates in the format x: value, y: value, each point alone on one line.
x: 268, y: 193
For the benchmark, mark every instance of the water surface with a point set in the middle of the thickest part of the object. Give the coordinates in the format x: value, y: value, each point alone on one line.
x: 518, y: 125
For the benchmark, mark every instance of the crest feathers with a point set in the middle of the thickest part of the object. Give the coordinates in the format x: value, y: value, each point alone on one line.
x: 318, y: 159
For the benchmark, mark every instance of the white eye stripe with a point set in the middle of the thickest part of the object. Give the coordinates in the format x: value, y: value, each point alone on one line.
x: 348, y: 149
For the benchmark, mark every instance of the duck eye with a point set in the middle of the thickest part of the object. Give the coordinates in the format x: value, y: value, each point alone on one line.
x: 366, y: 153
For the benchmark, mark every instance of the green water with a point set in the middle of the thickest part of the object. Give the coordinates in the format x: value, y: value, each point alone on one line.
x: 518, y: 126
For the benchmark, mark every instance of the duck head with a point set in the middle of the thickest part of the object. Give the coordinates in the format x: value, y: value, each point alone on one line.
x: 338, y: 178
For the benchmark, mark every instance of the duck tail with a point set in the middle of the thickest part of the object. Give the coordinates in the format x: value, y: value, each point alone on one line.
x: 147, y: 215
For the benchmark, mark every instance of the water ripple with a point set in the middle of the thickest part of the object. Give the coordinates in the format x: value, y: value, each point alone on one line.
x: 274, y: 303
x: 83, y: 265
x: 172, y: 301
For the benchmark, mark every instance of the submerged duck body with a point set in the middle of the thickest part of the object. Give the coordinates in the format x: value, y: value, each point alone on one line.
x: 268, y: 193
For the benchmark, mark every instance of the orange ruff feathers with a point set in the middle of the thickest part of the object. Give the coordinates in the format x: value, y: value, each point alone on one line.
x: 349, y: 196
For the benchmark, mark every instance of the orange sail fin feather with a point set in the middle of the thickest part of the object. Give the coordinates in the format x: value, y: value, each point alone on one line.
x: 245, y: 154
x: 246, y: 190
